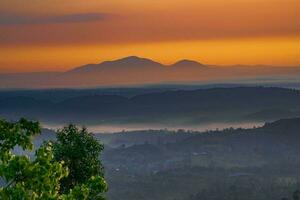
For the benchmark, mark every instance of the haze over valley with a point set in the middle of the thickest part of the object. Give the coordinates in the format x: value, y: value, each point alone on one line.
x: 150, y: 100
x: 188, y: 109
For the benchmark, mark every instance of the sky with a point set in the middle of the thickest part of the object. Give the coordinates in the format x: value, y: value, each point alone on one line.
x: 57, y: 35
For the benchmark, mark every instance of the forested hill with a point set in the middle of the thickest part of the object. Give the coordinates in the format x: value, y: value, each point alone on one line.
x: 193, y: 106
x: 249, y: 160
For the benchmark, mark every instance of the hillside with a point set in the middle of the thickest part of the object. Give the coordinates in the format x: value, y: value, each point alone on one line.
x: 243, y: 161
x: 180, y: 106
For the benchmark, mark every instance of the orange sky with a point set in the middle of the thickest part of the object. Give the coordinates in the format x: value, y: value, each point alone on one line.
x: 55, y: 35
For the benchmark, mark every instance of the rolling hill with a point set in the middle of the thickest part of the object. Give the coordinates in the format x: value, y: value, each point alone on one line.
x: 180, y: 106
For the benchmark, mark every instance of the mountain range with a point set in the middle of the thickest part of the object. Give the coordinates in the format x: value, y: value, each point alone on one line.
x: 134, y: 70
x: 175, y: 107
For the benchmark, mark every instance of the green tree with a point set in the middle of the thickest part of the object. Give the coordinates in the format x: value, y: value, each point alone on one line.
x: 38, y: 179
x: 80, y: 152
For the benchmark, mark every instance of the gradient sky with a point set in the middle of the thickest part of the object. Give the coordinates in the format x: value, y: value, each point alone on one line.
x: 56, y: 35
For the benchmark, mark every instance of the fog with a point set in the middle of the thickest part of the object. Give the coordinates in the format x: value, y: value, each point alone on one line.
x: 112, y: 128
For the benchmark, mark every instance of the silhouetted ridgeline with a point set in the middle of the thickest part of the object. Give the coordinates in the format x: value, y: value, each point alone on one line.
x: 190, y: 107
x: 136, y: 71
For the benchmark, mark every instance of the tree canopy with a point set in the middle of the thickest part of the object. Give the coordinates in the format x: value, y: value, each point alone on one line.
x: 40, y: 178
x: 80, y: 152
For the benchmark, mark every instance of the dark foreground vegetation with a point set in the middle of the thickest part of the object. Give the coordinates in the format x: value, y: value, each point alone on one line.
x: 67, y: 169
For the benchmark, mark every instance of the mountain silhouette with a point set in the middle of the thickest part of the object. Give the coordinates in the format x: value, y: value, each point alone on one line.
x: 123, y: 64
x: 187, y: 63
x: 135, y: 70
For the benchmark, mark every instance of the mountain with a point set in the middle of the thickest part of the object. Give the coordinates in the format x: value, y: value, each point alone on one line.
x: 187, y: 63
x: 284, y: 126
x: 179, y: 107
x: 134, y: 63
x: 124, y: 64
x: 134, y: 70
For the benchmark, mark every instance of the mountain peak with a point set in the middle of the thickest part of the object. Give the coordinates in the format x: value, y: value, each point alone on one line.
x: 186, y: 62
x: 129, y: 63
x: 132, y: 60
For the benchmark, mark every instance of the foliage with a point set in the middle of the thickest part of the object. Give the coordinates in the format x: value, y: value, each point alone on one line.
x: 12, y: 134
x: 80, y: 153
x: 40, y: 178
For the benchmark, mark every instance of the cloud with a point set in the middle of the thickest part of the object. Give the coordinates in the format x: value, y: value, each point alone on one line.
x: 12, y: 19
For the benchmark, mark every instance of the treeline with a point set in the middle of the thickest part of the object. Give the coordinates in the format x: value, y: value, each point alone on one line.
x: 191, y: 107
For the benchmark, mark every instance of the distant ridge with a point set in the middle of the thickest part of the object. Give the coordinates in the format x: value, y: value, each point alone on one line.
x: 131, y: 62
x: 134, y: 70
x: 195, y: 106
x: 284, y: 125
